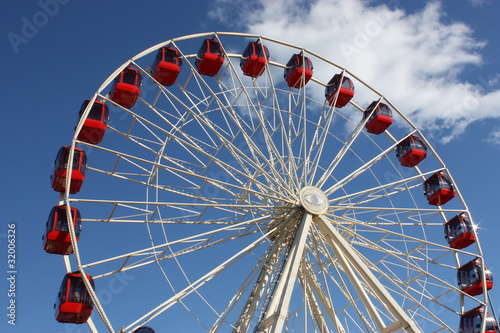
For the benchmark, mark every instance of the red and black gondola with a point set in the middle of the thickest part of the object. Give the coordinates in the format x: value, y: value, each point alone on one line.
x: 254, y: 59
x: 459, y: 231
x: 167, y: 66
x: 339, y: 93
x: 144, y: 329
x: 210, y: 57
x: 78, y: 170
x: 74, y: 304
x: 411, y: 151
x: 57, y: 239
x: 378, y: 117
x: 470, y: 278
x: 438, y: 189
x: 95, y: 124
x: 470, y: 322
x: 298, y: 71
x: 127, y: 87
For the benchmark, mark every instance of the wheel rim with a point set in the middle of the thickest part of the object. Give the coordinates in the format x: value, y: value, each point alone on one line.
x: 212, y: 189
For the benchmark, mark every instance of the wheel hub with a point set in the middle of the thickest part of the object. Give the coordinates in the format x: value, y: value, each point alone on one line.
x: 313, y: 200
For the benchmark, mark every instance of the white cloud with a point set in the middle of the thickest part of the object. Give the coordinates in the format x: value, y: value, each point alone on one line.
x: 416, y: 60
x: 478, y: 3
x: 494, y: 137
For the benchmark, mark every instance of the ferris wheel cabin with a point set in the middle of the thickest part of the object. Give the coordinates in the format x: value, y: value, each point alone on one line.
x: 144, y: 329
x: 470, y: 278
x: 74, y: 304
x: 298, y: 71
x: 438, y: 189
x: 339, y: 93
x: 127, y: 87
x: 254, y: 59
x: 459, y: 231
x: 167, y: 66
x: 210, y: 58
x: 470, y: 322
x: 379, y: 117
x: 411, y: 151
x: 79, y: 168
x: 57, y: 239
x: 95, y: 124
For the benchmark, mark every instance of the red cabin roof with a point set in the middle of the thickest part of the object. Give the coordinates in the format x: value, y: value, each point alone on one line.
x: 57, y: 239
x: 298, y: 71
x: 74, y: 304
x: 379, y: 117
x: 167, y: 66
x: 126, y: 89
x: 254, y: 59
x: 144, y: 329
x: 60, y: 170
x: 411, y: 151
x: 95, y: 124
x: 469, y: 278
x: 470, y: 322
x: 210, y: 58
x: 459, y: 231
x: 438, y: 189
x: 337, y: 93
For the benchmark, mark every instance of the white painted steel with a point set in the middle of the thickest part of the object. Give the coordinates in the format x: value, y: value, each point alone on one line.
x: 194, y: 219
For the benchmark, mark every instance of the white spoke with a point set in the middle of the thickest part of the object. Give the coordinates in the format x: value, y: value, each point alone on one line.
x: 243, y: 203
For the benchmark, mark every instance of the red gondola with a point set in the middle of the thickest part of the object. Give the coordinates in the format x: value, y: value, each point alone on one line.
x: 459, y: 231
x: 411, y: 151
x: 127, y: 87
x: 144, y: 329
x: 167, y: 66
x: 254, y: 59
x: 78, y: 170
x: 438, y: 189
x: 210, y: 58
x: 74, y: 304
x: 379, y: 117
x: 95, y: 124
x: 345, y: 91
x: 469, y: 278
x: 57, y: 239
x: 470, y: 322
x: 298, y: 71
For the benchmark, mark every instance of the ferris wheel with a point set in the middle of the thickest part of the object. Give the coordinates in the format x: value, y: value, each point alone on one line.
x: 233, y: 182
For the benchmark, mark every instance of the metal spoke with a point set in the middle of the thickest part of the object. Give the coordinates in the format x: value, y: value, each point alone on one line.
x: 240, y: 203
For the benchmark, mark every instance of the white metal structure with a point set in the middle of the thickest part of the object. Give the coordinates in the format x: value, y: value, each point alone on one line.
x: 229, y: 203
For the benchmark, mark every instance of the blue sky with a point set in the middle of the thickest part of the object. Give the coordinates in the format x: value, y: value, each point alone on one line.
x: 57, y: 53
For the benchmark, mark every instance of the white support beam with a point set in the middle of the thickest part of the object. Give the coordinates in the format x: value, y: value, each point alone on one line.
x: 352, y: 264
x: 353, y: 278
x: 313, y: 305
x: 255, y: 297
x: 277, y: 310
x: 311, y: 280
